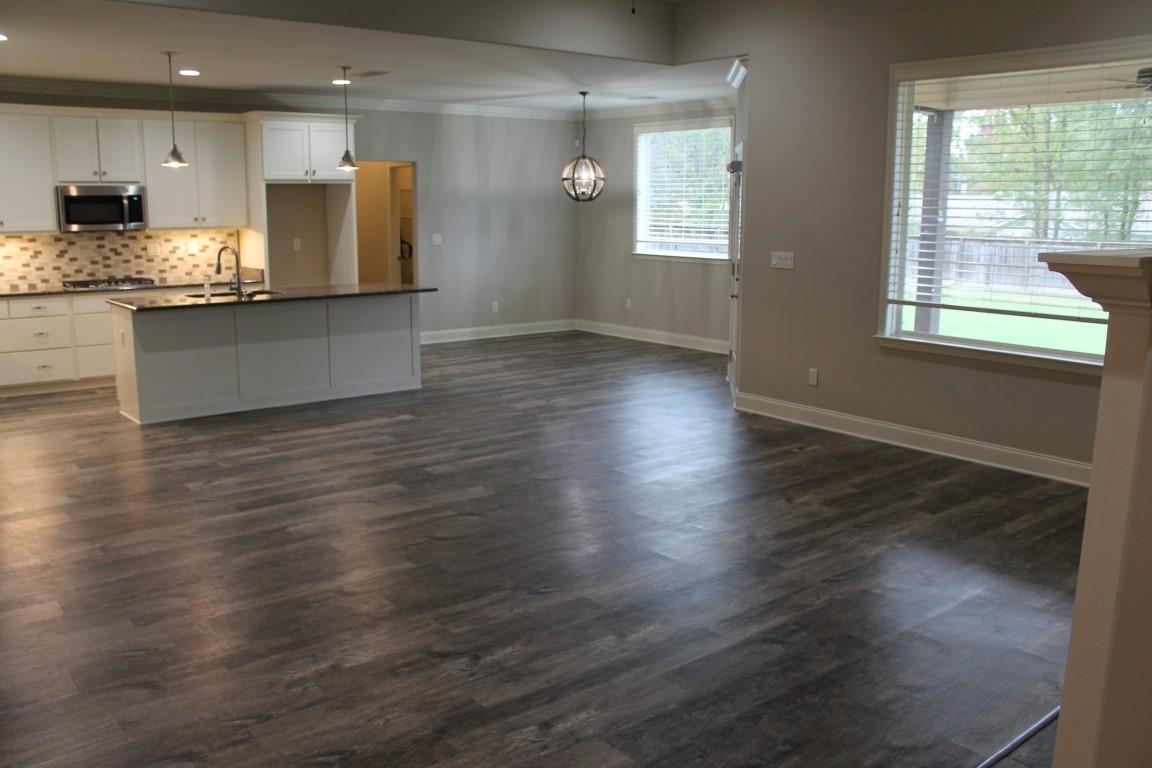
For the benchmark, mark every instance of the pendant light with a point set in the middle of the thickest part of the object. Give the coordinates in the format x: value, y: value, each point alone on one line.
x: 583, y: 178
x: 347, y: 162
x: 175, y: 158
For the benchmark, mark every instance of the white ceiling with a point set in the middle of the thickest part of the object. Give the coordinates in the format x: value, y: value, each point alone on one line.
x: 110, y: 42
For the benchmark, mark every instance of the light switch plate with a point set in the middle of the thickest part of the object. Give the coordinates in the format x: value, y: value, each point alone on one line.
x: 437, y: 240
x: 783, y: 260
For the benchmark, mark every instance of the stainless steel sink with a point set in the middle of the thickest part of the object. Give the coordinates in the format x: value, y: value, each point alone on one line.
x: 232, y: 294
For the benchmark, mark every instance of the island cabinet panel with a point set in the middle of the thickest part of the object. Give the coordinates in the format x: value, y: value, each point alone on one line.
x: 179, y: 358
x: 372, y: 341
x: 184, y: 362
x: 282, y: 350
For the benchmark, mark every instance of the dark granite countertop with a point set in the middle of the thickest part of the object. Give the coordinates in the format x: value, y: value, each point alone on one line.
x: 142, y: 303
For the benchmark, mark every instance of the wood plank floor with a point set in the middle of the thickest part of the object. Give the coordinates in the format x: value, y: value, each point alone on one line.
x: 567, y: 550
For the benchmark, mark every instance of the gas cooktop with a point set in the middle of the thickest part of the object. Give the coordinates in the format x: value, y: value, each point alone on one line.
x: 108, y: 284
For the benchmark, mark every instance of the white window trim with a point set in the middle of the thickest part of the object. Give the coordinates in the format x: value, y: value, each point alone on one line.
x: 722, y: 121
x: 688, y: 259
x: 987, y: 64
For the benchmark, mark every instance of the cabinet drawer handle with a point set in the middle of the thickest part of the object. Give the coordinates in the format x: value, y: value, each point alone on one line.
x: 95, y: 173
x: 313, y: 171
x: 40, y: 334
x: 44, y: 367
x: 39, y: 308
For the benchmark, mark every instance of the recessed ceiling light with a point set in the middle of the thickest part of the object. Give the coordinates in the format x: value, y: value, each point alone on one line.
x: 3, y: 37
x: 341, y: 81
x: 187, y: 72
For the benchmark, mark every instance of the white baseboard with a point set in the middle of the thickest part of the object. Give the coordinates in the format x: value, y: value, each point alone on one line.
x: 496, y: 331
x: 1043, y: 465
x: 701, y: 343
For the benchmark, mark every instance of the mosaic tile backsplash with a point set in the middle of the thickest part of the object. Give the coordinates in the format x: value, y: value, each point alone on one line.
x: 40, y: 262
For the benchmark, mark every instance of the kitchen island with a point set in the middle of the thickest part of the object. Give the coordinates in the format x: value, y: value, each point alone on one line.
x: 184, y: 356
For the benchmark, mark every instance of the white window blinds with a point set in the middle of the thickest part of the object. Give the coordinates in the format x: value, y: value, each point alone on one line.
x: 682, y: 188
x: 991, y: 171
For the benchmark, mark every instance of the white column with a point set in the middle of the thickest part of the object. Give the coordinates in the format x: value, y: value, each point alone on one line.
x: 1106, y: 711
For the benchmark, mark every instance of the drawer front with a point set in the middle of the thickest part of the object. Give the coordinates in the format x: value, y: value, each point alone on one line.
x: 90, y: 305
x: 38, y: 307
x: 33, y: 367
x: 92, y: 330
x: 92, y: 362
x: 24, y: 334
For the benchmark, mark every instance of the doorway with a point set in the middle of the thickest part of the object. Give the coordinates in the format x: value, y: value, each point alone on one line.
x: 386, y: 221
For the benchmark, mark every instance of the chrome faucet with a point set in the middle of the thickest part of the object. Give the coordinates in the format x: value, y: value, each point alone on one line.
x: 240, y: 295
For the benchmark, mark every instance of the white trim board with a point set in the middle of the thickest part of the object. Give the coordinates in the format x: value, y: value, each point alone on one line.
x: 719, y: 346
x: 1028, y: 462
x: 496, y: 331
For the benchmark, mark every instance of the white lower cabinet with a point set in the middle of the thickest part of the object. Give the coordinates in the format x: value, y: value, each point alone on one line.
x: 45, y: 339
x: 36, y: 367
x: 32, y: 333
x: 95, y: 362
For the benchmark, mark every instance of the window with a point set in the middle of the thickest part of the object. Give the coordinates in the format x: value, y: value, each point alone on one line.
x: 991, y: 171
x: 682, y: 188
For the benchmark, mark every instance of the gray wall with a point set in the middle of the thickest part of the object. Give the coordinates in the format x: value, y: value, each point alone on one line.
x: 818, y: 117
x: 491, y: 187
x: 682, y: 297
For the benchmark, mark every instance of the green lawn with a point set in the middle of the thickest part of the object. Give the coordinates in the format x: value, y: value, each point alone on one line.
x: 1066, y: 335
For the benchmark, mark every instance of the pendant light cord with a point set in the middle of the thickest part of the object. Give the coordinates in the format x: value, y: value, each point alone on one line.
x: 584, y: 124
x: 171, y: 98
x: 347, y: 142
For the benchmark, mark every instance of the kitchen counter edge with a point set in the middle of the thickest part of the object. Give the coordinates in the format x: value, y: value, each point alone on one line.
x: 312, y: 293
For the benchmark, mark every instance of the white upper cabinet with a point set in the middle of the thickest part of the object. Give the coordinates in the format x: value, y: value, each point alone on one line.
x: 171, y: 196
x: 211, y: 191
x: 300, y: 151
x: 27, y: 189
x: 220, y: 174
x: 326, y: 145
x: 93, y: 150
x: 286, y: 152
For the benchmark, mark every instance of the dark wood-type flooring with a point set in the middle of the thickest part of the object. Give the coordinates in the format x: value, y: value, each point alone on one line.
x: 567, y: 550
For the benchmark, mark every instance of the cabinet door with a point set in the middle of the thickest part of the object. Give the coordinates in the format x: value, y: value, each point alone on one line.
x: 220, y: 174
x: 77, y: 150
x: 93, y: 362
x: 120, y: 150
x: 285, y: 151
x: 35, y: 367
x: 27, y: 190
x: 171, y: 191
x: 326, y: 144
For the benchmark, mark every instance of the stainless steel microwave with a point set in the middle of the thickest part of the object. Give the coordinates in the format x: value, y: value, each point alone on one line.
x: 101, y: 207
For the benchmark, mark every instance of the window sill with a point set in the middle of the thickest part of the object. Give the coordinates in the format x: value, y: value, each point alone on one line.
x: 1065, y: 364
x: 687, y: 259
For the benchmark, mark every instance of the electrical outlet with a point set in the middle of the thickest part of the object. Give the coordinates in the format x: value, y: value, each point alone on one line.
x: 297, y: 244
x: 813, y: 377
x: 495, y: 306
x: 437, y: 239
x: 154, y: 250
x: 627, y: 303
x: 783, y: 260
